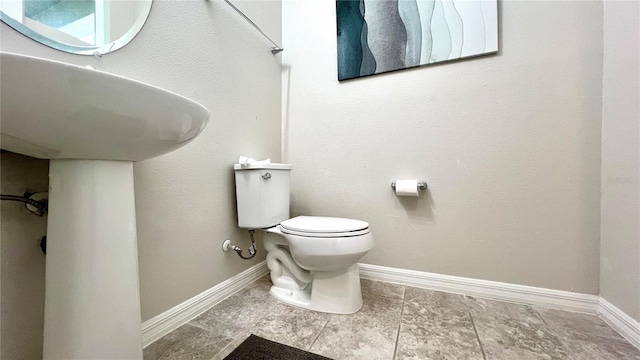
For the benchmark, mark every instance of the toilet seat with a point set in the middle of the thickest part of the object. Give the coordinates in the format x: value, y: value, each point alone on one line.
x: 324, y: 227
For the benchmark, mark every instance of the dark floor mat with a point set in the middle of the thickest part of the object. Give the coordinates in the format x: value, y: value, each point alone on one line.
x: 257, y: 348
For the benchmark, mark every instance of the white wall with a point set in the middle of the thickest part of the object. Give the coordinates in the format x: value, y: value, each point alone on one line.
x: 185, y: 200
x: 620, y: 227
x: 509, y: 144
x: 22, y: 260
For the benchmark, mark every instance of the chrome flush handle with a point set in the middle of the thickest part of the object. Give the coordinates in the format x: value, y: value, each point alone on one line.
x: 266, y: 176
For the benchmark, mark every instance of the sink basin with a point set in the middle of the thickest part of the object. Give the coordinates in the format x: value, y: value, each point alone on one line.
x: 55, y: 110
x: 93, y: 126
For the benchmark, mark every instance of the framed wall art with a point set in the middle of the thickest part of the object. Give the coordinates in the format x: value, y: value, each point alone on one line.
x: 378, y: 36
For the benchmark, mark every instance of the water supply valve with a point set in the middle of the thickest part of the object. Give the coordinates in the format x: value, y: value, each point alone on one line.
x: 226, y: 246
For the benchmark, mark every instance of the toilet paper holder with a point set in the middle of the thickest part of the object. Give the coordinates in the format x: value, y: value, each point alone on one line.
x: 422, y: 185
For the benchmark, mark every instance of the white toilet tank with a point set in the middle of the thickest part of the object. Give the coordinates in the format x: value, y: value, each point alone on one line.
x: 262, y: 194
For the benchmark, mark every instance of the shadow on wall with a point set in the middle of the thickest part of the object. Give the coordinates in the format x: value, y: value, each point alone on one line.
x: 419, y: 207
x: 23, y: 263
x: 297, y: 208
x: 286, y: 87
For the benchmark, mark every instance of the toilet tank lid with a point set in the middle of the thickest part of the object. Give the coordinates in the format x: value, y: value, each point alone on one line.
x: 272, y: 166
x: 321, y: 224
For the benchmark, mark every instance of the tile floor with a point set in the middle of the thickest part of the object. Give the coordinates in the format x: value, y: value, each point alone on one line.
x: 397, y: 322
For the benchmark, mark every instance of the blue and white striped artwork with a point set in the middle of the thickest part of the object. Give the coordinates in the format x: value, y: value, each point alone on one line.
x: 377, y: 36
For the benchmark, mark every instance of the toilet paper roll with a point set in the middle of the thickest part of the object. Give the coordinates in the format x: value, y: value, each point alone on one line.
x: 407, y: 188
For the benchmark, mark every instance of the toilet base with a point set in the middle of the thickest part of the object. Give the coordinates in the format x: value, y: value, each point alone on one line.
x: 335, y: 292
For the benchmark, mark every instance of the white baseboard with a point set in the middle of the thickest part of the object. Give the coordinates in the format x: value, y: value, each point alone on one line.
x: 556, y: 299
x: 619, y: 320
x: 548, y: 298
x: 159, y: 326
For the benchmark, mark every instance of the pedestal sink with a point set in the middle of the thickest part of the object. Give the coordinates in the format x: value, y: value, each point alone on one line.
x: 93, y: 126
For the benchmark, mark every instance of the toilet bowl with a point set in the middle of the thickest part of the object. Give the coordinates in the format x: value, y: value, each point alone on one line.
x: 312, y: 259
x: 313, y: 262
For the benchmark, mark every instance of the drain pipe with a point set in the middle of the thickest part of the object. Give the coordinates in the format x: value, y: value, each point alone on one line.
x: 226, y: 246
x: 35, y: 206
x: 35, y: 203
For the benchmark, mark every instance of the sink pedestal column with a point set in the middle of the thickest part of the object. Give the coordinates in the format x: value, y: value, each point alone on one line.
x: 92, y: 296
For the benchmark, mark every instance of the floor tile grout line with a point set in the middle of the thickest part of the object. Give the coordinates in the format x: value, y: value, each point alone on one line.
x: 228, y: 344
x: 199, y: 327
x: 395, y: 348
x: 561, y: 339
x: 466, y: 300
x: 540, y: 316
x: 204, y: 329
x: 473, y: 323
x: 319, y: 333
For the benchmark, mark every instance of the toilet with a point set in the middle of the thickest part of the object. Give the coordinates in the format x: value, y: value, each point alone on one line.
x: 312, y: 259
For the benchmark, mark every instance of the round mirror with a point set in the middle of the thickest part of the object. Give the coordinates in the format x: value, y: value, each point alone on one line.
x: 77, y: 26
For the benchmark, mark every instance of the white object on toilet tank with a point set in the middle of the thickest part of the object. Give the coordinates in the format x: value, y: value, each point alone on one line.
x: 262, y: 194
